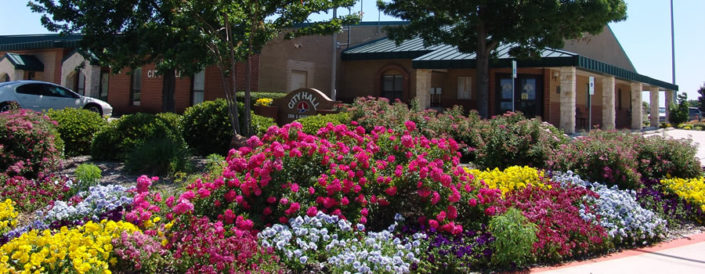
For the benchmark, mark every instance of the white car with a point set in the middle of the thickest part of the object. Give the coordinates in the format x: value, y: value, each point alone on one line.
x: 40, y: 96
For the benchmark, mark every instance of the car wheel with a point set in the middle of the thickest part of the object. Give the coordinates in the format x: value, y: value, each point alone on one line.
x: 94, y: 108
x: 7, y: 106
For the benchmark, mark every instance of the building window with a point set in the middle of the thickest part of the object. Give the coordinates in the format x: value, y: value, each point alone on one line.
x: 392, y: 86
x: 136, y: 88
x: 104, y: 76
x: 619, y: 98
x: 199, y: 80
x: 5, y: 78
x: 464, y: 87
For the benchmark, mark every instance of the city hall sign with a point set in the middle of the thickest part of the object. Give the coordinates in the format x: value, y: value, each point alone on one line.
x: 302, y: 103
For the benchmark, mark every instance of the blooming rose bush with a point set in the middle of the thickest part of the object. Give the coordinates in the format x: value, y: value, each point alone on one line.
x: 82, y: 249
x: 333, y: 245
x: 30, y: 146
x: 352, y: 174
x: 618, y: 211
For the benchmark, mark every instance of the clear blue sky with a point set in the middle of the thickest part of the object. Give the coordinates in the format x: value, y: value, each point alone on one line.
x: 645, y: 35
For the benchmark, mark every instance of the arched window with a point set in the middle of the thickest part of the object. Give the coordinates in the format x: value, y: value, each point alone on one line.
x: 5, y: 77
x: 392, y: 85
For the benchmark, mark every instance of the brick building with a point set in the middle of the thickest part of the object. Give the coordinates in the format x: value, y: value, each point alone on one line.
x: 553, y: 87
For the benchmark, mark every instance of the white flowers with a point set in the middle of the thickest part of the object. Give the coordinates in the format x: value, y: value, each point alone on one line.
x: 96, y: 201
x: 343, y: 249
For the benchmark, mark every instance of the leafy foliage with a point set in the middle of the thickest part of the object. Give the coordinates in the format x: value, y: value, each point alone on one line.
x: 514, y: 239
x: 207, y: 127
x: 311, y: 124
x: 77, y: 128
x: 122, y: 136
x: 158, y: 157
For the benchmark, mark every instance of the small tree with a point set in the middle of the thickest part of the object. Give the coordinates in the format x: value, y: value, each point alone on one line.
x: 679, y: 112
x: 701, y: 98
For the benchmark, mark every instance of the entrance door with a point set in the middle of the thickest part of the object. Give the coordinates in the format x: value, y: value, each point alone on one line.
x: 528, y: 94
x: 298, y: 79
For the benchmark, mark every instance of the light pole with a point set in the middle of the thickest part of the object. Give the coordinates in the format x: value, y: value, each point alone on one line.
x: 673, y: 53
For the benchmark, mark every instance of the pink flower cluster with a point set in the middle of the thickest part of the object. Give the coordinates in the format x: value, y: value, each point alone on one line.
x: 144, y: 204
x: 341, y: 171
x: 31, y: 194
x: 140, y: 251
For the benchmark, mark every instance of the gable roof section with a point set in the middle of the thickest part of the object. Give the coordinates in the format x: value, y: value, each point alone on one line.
x: 446, y: 56
x: 24, y: 62
x: 38, y: 41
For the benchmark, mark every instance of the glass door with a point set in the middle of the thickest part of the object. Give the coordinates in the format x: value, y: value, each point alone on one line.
x: 527, y: 94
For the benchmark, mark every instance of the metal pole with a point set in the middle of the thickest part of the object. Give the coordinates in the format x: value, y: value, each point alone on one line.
x: 673, y: 49
x: 589, y: 107
x: 334, y: 59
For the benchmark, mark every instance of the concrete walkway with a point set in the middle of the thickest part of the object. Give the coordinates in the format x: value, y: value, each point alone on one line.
x: 681, y: 256
x: 697, y: 136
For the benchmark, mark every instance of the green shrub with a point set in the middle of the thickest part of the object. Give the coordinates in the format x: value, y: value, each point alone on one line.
x: 174, y: 120
x: 254, y: 95
x: 77, y: 128
x: 87, y: 175
x: 29, y: 144
x: 122, y: 136
x: 679, y: 113
x: 158, y: 156
x: 514, y: 239
x: 260, y: 124
x: 311, y: 124
x: 207, y: 127
x: 511, y: 139
x: 601, y: 156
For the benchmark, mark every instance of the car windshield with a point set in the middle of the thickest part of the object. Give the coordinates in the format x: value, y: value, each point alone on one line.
x: 662, y: 110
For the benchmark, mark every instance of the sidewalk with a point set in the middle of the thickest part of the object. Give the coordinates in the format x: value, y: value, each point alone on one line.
x: 682, y: 256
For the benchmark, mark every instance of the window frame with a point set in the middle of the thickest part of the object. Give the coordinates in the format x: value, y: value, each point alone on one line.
x: 136, y: 87
x: 468, y: 84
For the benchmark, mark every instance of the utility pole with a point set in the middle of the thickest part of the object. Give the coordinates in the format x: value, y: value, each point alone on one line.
x: 334, y: 59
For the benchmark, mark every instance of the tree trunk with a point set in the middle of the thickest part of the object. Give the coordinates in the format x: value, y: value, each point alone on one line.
x: 483, y: 77
x: 248, y: 78
x: 168, y: 84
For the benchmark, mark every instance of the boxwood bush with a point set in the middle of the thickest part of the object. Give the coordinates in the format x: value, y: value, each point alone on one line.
x: 311, y: 124
x: 77, y: 128
x: 207, y: 130
x: 29, y: 143
x: 122, y: 136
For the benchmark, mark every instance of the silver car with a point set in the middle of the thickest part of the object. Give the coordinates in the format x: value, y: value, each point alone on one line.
x: 40, y: 96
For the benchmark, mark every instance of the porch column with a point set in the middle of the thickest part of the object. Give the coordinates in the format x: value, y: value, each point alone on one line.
x: 568, y: 90
x: 669, y: 101
x: 636, y: 106
x: 653, y: 103
x: 608, y: 94
x: 423, y: 87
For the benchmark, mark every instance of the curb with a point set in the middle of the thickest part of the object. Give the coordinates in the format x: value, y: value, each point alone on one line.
x: 687, y: 240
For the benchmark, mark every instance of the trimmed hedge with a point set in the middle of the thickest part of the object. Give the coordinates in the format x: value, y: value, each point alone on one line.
x: 77, y: 128
x: 311, y: 124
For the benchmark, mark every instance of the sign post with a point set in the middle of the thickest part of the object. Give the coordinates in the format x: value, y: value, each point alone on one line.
x: 591, y: 92
x: 514, y: 77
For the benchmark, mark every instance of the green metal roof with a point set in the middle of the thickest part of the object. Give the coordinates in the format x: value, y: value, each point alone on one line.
x: 449, y: 57
x: 38, y: 41
x: 24, y: 62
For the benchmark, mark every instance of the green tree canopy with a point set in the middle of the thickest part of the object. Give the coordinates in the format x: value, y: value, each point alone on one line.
x: 187, y: 35
x: 701, y: 98
x: 479, y: 26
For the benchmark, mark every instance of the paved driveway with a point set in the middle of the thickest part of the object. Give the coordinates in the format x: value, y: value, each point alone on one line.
x: 697, y: 136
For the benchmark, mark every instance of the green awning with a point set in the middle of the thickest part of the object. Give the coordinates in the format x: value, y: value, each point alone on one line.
x: 24, y: 62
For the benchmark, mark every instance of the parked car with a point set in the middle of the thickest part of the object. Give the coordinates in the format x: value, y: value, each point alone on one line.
x: 662, y: 114
x: 40, y: 96
x: 694, y: 114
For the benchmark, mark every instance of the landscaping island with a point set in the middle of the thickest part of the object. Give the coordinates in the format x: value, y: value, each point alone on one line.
x: 378, y: 187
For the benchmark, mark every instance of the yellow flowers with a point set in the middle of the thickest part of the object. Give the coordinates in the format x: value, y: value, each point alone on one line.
x: 82, y: 249
x: 691, y: 190
x: 264, y: 102
x: 8, y: 216
x: 512, y: 178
